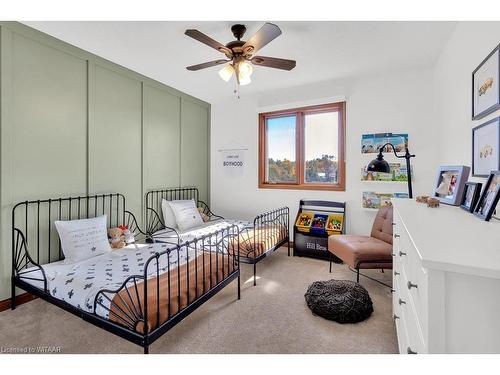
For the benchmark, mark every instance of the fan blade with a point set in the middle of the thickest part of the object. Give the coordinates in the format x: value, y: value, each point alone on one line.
x: 205, y: 39
x: 206, y: 65
x: 266, y: 34
x: 273, y: 62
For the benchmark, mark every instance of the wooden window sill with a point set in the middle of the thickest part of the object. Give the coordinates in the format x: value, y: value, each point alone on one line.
x: 332, y: 187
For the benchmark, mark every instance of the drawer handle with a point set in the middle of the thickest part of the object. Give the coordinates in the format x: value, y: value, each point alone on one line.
x: 393, y: 224
x: 411, y: 285
x: 401, y: 302
x: 393, y: 291
x: 394, y: 316
x: 401, y: 253
x: 393, y: 254
x: 409, y: 351
x: 396, y: 273
x: 396, y: 236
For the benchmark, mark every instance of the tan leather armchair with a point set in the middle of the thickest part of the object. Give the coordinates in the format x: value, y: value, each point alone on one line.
x: 366, y: 252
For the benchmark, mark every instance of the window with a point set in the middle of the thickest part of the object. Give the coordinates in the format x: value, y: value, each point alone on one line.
x: 303, y: 148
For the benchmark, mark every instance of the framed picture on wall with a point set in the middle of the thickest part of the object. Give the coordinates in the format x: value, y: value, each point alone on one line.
x: 450, y: 183
x: 485, y: 148
x: 470, y: 196
x: 489, y: 197
x: 485, y: 86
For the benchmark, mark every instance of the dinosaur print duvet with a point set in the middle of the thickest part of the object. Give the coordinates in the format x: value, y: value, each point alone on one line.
x: 79, y: 283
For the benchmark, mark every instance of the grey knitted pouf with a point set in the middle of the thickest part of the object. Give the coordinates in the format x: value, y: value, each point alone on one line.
x: 343, y: 301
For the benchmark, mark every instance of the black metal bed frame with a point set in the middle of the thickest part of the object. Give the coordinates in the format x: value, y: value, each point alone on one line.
x: 154, y: 221
x: 265, y: 222
x: 264, y: 227
x: 32, y: 223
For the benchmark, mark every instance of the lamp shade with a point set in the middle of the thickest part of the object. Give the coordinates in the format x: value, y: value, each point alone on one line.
x: 245, y: 70
x: 226, y: 72
x: 245, y: 80
x: 378, y: 165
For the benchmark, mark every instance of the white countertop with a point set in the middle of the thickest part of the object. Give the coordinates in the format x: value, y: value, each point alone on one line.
x: 451, y: 239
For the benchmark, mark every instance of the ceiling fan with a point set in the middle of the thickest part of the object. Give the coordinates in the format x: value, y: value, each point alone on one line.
x: 241, y: 53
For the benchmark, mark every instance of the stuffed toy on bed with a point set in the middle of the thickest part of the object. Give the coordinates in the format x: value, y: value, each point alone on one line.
x: 203, y: 215
x: 127, y: 235
x: 115, y: 236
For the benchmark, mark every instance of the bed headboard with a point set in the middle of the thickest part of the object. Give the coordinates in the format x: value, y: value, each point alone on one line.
x: 153, y: 203
x: 34, y: 236
x: 154, y: 197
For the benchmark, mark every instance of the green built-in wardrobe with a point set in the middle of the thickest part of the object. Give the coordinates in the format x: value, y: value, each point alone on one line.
x: 73, y: 124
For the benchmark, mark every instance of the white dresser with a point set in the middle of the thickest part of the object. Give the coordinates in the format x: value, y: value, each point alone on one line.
x: 446, y: 280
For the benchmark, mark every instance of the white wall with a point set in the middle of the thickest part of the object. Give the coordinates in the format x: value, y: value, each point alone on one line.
x: 396, y: 102
x: 469, y: 44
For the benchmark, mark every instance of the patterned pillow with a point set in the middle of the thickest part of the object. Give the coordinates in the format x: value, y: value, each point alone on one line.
x: 186, y: 214
x: 83, y: 239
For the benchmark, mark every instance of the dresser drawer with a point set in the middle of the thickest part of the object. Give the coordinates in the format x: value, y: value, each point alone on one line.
x: 410, y: 337
x: 415, y: 284
x: 400, y: 327
x: 410, y: 274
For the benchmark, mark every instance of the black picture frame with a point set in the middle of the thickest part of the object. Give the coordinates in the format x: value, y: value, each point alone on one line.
x: 496, y: 106
x: 474, y: 151
x: 474, y: 189
x: 488, y: 201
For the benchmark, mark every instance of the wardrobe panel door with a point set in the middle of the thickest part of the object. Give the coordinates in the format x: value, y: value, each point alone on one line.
x: 115, y: 136
x: 194, y: 147
x: 48, y: 126
x: 162, y: 136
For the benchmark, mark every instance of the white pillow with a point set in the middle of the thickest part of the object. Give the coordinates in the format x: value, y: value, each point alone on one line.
x: 186, y: 214
x: 83, y: 239
x: 168, y: 214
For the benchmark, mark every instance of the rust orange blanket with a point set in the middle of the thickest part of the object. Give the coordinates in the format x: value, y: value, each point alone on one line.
x: 171, y: 291
x: 255, y: 241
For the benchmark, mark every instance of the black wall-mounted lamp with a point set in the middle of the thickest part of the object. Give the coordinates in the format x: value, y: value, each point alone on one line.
x: 380, y: 165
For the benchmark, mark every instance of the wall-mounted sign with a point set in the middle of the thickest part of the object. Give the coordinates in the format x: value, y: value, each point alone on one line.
x: 233, y: 162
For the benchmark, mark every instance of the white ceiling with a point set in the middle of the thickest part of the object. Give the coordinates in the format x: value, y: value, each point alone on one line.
x: 323, y: 50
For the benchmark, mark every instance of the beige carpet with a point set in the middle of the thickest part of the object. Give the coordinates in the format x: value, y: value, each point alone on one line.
x: 270, y: 318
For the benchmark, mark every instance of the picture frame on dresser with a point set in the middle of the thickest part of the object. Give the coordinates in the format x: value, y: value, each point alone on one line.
x: 488, y: 201
x: 485, y: 85
x: 450, y: 183
x: 486, y: 148
x: 472, y: 190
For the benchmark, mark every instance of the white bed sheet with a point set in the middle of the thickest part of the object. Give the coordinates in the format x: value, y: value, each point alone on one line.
x: 168, y: 236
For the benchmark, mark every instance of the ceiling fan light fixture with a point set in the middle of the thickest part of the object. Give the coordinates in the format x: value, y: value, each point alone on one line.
x: 240, y: 54
x: 245, y: 69
x: 245, y: 80
x: 227, y: 72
